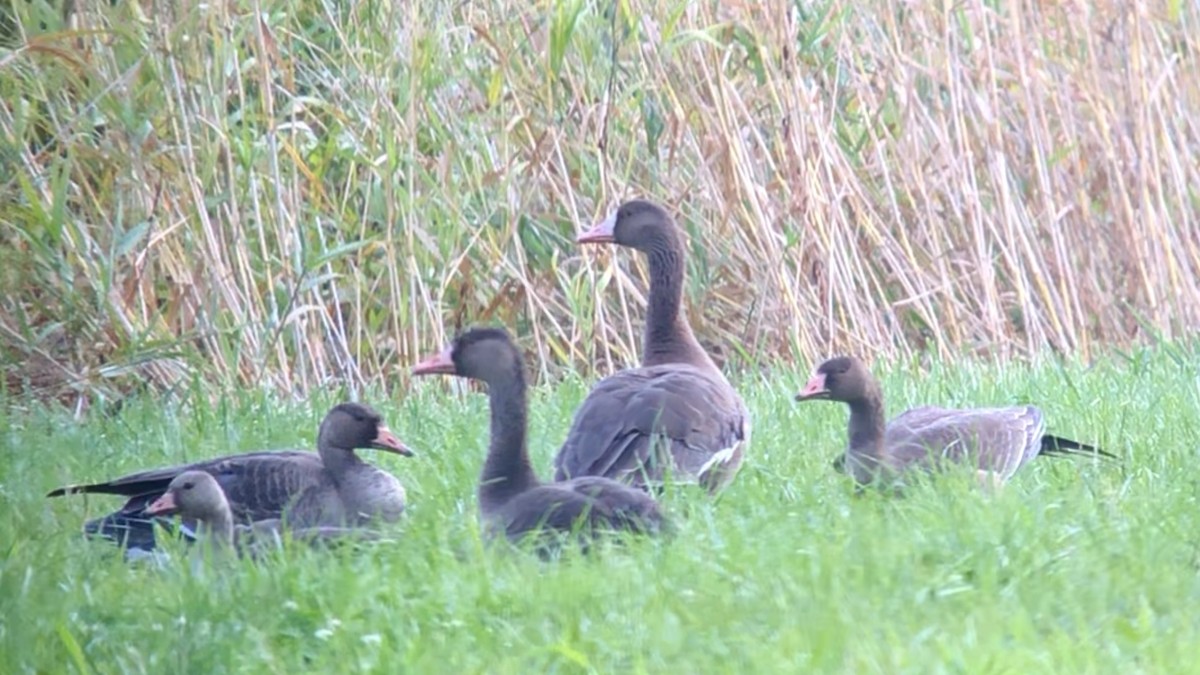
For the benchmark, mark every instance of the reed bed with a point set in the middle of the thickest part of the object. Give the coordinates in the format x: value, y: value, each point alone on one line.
x: 292, y: 194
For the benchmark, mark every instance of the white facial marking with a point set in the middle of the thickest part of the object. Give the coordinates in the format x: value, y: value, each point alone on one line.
x: 610, y: 222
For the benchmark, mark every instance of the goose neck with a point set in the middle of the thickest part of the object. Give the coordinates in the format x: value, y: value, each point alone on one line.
x: 507, y: 471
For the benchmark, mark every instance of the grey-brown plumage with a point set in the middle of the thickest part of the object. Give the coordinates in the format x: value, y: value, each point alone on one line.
x: 512, y: 500
x: 331, y: 487
x: 676, y: 414
x: 196, y: 495
x: 995, y: 441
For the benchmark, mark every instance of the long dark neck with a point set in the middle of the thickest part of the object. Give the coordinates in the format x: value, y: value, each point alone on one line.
x: 867, y: 424
x: 507, y: 471
x: 669, y: 337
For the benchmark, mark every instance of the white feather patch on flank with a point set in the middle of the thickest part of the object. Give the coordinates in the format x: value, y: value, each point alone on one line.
x: 719, y: 471
x: 989, y: 480
x: 721, y: 457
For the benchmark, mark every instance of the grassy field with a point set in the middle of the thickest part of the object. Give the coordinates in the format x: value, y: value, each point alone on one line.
x: 1074, y: 567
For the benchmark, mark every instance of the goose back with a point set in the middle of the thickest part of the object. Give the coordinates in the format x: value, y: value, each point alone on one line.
x: 999, y: 440
x: 586, y: 506
x: 639, y: 425
x: 259, y: 485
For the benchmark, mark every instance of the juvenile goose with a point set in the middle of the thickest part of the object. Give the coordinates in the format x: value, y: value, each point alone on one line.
x: 676, y: 413
x: 197, y: 496
x: 997, y: 441
x: 331, y: 487
x: 512, y: 500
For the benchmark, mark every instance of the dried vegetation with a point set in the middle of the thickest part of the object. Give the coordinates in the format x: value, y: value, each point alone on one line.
x: 294, y: 194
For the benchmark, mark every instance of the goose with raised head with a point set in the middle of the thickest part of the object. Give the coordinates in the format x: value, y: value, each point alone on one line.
x: 996, y: 441
x: 512, y: 500
x: 333, y: 486
x: 197, y: 496
x: 676, y: 414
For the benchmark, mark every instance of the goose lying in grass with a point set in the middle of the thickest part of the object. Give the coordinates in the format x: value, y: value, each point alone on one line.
x: 197, y: 496
x: 330, y: 487
x: 996, y: 441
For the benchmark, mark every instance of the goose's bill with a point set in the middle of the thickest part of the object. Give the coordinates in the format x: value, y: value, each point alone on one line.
x: 438, y: 364
x: 815, y: 389
x: 162, y: 506
x: 600, y: 233
x: 386, y: 440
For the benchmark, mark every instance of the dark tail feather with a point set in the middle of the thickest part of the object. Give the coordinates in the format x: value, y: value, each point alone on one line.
x: 125, y: 488
x: 68, y: 490
x: 1065, y: 447
x: 123, y: 530
x: 839, y: 463
x: 94, y: 488
x: 136, y: 531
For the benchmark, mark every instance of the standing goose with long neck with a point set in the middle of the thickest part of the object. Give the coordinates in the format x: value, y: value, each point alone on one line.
x: 996, y: 441
x: 674, y: 415
x: 512, y: 500
x: 330, y: 487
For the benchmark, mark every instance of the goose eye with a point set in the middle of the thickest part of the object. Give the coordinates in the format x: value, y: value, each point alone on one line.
x: 188, y: 486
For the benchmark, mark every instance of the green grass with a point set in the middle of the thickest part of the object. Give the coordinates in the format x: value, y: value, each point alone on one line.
x: 1074, y: 567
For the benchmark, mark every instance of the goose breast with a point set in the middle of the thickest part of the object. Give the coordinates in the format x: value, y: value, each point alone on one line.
x: 370, y: 493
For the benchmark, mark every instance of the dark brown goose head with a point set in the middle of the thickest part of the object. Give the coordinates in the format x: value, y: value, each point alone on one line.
x: 193, y: 494
x: 647, y: 227
x: 488, y: 355
x: 350, y: 426
x: 844, y: 378
x: 638, y: 224
x: 485, y: 354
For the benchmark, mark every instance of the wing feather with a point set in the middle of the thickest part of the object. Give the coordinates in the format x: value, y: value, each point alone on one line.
x: 617, y: 431
x: 1000, y: 440
x: 584, y: 506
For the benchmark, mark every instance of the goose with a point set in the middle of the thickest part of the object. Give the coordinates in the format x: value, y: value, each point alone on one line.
x: 512, y: 500
x: 997, y: 441
x: 676, y: 413
x: 197, y: 496
x: 330, y: 487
